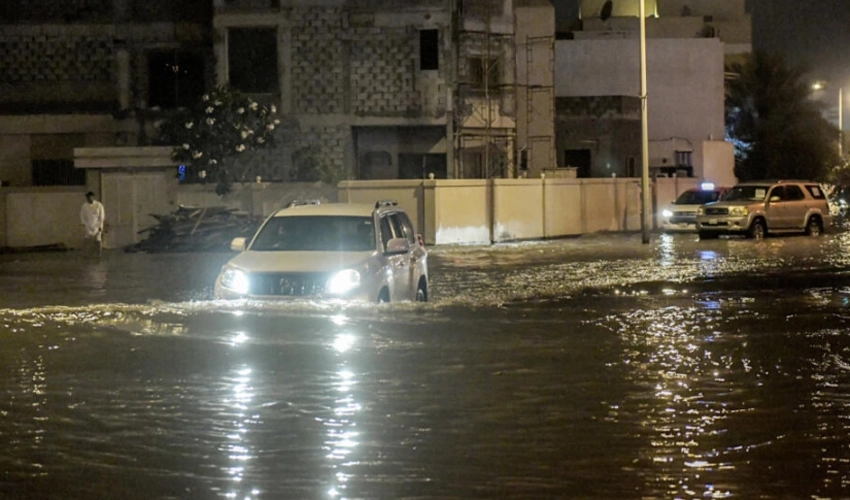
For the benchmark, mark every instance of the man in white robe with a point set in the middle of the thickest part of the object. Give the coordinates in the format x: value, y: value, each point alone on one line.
x: 92, y: 216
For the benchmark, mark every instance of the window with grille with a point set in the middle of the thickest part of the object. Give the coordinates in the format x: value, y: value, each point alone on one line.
x: 683, y: 158
x: 57, y: 173
x: 484, y: 71
x: 429, y: 49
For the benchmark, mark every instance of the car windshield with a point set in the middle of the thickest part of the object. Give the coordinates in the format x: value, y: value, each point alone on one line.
x: 747, y: 193
x: 316, y: 233
x: 697, y: 197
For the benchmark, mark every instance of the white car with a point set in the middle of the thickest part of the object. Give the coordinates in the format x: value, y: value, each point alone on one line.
x: 335, y: 250
x: 681, y: 215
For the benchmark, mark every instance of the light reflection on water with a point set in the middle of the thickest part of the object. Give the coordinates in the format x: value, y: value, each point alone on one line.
x: 342, y: 433
x: 238, y: 447
x: 679, y: 370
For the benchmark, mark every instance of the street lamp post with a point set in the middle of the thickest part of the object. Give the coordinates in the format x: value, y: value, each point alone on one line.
x: 841, y: 124
x: 644, y: 180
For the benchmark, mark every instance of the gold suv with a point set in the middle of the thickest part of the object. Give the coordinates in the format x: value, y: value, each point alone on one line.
x: 757, y: 208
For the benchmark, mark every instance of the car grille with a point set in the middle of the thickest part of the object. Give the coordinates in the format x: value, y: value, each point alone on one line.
x: 682, y: 220
x: 686, y: 217
x: 716, y: 211
x: 288, y: 284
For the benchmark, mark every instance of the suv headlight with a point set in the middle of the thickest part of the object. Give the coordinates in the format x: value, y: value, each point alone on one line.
x: 739, y: 211
x: 343, y: 281
x: 700, y: 211
x: 667, y: 213
x: 236, y: 280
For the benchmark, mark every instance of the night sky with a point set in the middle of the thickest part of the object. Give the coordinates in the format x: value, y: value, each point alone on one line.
x: 812, y: 33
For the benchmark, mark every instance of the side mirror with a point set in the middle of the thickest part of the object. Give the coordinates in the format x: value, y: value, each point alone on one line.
x: 398, y: 245
x: 238, y: 244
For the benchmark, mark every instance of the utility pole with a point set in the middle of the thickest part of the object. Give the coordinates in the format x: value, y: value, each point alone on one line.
x: 841, y: 125
x: 646, y: 215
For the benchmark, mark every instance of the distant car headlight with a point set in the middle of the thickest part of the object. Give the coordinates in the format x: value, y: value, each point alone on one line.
x: 667, y: 213
x: 236, y: 280
x: 344, y: 281
x: 739, y: 211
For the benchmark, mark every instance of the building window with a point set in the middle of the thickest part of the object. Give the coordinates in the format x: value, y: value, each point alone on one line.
x: 57, y: 173
x: 485, y: 71
x: 579, y: 159
x: 422, y: 166
x: 683, y: 158
x: 429, y: 49
x: 252, y: 60
x: 175, y: 79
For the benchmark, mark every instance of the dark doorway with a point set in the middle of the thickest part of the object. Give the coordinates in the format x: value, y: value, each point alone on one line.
x: 580, y: 159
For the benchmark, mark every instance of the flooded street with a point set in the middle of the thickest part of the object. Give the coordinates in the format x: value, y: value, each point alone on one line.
x: 588, y: 368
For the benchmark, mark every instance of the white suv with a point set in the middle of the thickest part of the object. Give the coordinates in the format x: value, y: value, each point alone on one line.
x: 335, y: 250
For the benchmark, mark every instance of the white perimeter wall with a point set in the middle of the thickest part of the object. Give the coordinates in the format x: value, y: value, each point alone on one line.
x: 451, y: 211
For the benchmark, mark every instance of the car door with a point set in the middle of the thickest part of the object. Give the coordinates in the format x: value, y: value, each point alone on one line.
x: 414, y: 256
x: 398, y: 263
x: 775, y: 209
x: 795, y: 207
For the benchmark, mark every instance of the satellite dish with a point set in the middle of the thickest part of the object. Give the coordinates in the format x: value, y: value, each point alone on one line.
x: 607, y: 8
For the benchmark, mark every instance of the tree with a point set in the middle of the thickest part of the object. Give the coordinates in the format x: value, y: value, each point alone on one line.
x: 217, y: 138
x: 777, y: 129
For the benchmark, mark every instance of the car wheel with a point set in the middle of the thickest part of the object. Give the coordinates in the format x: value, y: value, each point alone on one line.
x: 705, y: 235
x: 384, y: 296
x: 422, y: 291
x: 757, y: 230
x: 814, y: 227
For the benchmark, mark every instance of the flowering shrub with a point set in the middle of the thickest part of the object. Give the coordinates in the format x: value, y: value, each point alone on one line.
x: 216, y: 139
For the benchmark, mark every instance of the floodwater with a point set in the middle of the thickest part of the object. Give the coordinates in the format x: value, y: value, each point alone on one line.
x: 589, y: 368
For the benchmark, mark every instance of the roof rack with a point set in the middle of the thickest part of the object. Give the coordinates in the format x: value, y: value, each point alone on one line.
x: 385, y: 203
x: 298, y: 203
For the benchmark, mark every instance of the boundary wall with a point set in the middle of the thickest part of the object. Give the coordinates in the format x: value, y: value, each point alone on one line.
x: 446, y: 211
x: 476, y: 211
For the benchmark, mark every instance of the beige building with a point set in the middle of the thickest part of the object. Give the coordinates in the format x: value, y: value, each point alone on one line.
x: 402, y: 90
x: 382, y: 89
x: 91, y: 73
x: 598, y: 75
x: 727, y: 20
x: 379, y: 89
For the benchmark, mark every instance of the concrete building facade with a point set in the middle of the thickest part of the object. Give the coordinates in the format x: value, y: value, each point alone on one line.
x: 403, y: 90
x: 599, y: 114
x: 379, y: 89
x: 728, y: 20
x: 90, y: 73
x: 598, y: 84
x: 382, y: 89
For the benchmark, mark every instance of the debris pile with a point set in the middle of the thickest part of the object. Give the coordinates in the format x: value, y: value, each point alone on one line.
x: 196, y: 229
